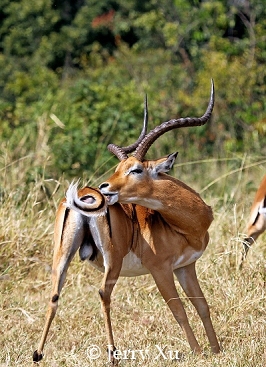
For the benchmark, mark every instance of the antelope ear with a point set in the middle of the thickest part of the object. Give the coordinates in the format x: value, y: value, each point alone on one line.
x: 166, y: 164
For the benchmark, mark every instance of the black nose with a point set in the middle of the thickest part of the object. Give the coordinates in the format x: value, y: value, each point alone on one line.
x: 103, y: 185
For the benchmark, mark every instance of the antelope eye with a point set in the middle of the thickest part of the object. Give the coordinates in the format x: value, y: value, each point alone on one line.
x: 137, y: 171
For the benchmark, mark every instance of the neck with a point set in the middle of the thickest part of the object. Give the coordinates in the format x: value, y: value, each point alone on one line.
x: 178, y: 204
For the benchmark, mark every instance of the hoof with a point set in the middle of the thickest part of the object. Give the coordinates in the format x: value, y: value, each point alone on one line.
x: 37, y: 357
x: 113, y: 361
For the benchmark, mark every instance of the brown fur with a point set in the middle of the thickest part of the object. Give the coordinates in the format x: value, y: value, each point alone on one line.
x: 127, y: 228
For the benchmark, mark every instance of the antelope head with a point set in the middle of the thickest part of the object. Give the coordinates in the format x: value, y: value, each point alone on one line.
x: 135, y: 177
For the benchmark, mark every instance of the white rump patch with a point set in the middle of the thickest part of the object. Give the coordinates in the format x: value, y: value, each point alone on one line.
x: 96, y: 234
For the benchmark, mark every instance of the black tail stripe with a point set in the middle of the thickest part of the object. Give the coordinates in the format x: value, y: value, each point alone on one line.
x: 64, y: 221
x: 109, y: 222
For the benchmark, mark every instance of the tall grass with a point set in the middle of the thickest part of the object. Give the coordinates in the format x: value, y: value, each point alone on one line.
x: 141, y: 319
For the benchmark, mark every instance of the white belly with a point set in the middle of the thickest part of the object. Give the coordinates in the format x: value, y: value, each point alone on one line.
x: 132, y: 266
x: 187, y: 259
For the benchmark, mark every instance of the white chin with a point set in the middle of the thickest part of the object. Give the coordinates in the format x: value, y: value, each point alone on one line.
x: 112, y: 199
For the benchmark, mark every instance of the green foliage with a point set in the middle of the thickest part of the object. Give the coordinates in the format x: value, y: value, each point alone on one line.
x: 103, y: 112
x: 73, y: 76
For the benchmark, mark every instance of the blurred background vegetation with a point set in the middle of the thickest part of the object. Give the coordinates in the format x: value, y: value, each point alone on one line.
x: 74, y: 73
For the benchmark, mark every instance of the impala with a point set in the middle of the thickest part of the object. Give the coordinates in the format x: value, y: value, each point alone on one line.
x: 257, y: 219
x: 165, y: 233
x: 177, y: 232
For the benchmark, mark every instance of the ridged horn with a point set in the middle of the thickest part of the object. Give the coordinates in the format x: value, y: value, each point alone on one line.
x: 154, y: 134
x: 121, y: 152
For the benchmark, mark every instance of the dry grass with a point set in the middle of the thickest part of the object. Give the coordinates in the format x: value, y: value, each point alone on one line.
x: 141, y: 320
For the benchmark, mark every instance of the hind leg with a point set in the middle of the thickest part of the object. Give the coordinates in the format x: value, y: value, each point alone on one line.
x: 110, y: 278
x: 189, y: 282
x: 69, y: 232
x: 165, y: 282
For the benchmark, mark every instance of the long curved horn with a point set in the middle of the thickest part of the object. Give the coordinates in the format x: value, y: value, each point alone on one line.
x: 132, y: 147
x: 121, y: 152
x: 154, y: 134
